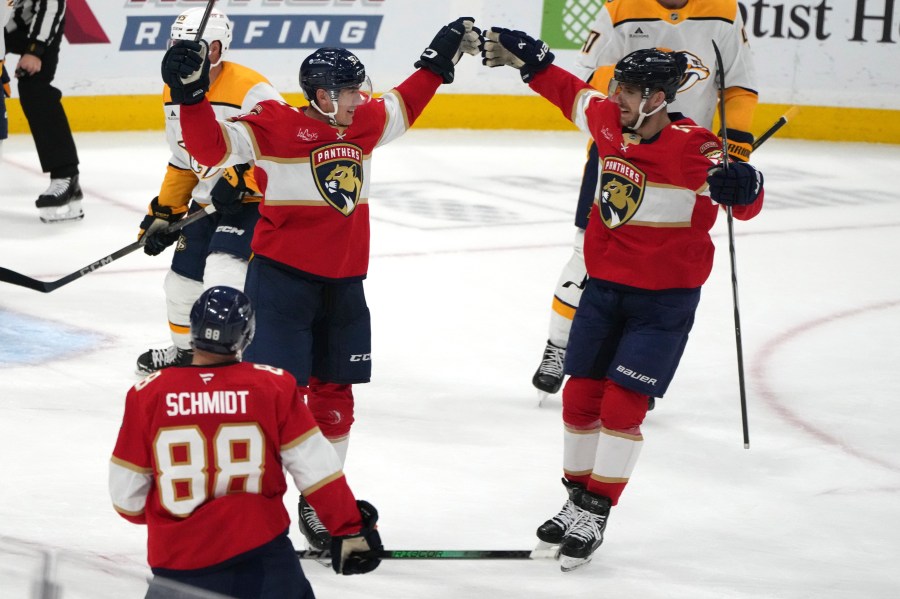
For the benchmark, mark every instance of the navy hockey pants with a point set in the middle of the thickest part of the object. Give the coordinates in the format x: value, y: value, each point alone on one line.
x: 633, y: 337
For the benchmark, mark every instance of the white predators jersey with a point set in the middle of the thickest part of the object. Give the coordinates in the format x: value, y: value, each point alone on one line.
x: 623, y: 26
x: 235, y: 91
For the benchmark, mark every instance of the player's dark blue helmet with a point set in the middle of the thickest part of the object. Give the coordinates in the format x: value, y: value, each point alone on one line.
x: 222, y: 321
x: 651, y: 70
x: 331, y: 69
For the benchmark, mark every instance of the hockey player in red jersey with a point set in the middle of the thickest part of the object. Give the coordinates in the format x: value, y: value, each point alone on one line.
x: 200, y: 458
x: 621, y: 27
x: 311, y: 245
x: 647, y: 252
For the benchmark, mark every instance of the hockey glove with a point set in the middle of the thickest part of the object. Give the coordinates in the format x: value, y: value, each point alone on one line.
x: 348, y: 553
x: 185, y: 70
x: 153, y: 227
x: 228, y: 192
x: 738, y: 186
x: 504, y: 47
x: 445, y: 50
x: 740, y: 144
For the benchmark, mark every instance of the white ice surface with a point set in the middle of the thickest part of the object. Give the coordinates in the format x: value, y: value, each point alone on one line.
x: 470, y: 230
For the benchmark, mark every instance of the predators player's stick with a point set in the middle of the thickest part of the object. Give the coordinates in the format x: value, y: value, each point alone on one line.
x: 15, y: 278
x: 781, y: 122
x: 428, y: 554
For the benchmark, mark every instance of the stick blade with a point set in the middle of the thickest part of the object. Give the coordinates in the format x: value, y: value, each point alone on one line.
x: 15, y: 278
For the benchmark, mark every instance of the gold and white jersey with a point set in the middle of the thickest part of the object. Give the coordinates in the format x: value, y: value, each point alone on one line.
x: 623, y: 26
x: 235, y: 91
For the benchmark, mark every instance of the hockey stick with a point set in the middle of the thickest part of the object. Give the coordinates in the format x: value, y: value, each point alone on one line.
x: 15, y: 278
x: 427, y: 554
x: 203, y: 21
x: 781, y: 122
x: 720, y: 81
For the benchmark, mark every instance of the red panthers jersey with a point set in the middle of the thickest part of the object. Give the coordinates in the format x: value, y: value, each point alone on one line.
x: 199, y: 460
x: 314, y: 176
x: 650, y: 222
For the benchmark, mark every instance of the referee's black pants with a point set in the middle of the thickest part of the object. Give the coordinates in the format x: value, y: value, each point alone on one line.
x: 46, y: 116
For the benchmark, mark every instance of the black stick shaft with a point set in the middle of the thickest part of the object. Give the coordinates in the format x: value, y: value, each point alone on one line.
x: 428, y: 554
x: 781, y: 122
x: 204, y: 20
x: 720, y: 81
x: 15, y: 278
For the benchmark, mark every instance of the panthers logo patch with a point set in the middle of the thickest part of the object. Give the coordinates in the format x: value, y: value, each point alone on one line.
x: 621, y: 191
x: 338, y: 173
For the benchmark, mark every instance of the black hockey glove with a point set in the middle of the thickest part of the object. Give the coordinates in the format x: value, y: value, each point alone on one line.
x: 348, y: 553
x: 228, y: 192
x: 153, y: 227
x: 185, y: 69
x: 445, y: 50
x: 504, y: 47
x: 738, y: 186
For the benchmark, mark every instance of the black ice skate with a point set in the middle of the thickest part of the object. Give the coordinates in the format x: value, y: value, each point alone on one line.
x: 312, y: 528
x: 62, y: 201
x: 549, y: 376
x: 156, y: 359
x: 553, y: 530
x: 586, y: 535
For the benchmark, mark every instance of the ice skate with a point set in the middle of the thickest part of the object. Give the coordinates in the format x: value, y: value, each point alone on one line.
x: 61, y: 201
x: 586, y: 534
x: 312, y: 528
x: 156, y: 359
x: 548, y: 377
x: 554, y: 530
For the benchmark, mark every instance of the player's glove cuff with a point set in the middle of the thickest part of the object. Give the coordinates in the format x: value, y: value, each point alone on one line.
x: 740, y: 145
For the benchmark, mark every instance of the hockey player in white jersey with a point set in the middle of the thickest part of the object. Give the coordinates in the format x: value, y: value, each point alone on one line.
x: 621, y: 27
x: 214, y: 250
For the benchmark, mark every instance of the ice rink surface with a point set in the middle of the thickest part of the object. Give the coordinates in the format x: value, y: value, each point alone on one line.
x: 470, y: 231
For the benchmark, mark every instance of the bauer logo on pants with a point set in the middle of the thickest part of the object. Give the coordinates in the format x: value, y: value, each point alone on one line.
x: 338, y: 173
x: 621, y: 191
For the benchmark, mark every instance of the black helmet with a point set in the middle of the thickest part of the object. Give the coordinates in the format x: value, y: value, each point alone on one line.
x: 222, y: 321
x: 332, y: 69
x: 652, y: 69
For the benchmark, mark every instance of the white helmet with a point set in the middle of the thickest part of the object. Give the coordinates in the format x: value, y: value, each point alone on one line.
x: 218, y: 27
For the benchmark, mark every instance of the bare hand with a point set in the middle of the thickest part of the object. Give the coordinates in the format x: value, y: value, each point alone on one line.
x: 29, y: 64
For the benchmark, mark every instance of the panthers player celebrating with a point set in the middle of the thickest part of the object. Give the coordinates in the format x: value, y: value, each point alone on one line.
x: 622, y: 27
x: 648, y: 252
x: 311, y: 246
x: 214, y: 250
x: 200, y: 460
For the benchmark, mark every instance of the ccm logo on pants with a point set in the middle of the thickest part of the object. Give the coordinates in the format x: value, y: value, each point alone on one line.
x: 360, y: 357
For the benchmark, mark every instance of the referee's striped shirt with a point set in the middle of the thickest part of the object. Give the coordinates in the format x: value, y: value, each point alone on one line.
x: 42, y: 19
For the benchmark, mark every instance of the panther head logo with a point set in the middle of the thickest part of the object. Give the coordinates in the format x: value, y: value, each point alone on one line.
x: 621, y: 192
x: 337, y: 170
x: 343, y: 177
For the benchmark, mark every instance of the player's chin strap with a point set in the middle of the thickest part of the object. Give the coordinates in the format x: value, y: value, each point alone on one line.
x: 329, y: 115
x: 644, y: 115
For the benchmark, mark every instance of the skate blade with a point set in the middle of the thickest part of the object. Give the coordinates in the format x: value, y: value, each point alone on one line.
x: 61, y: 214
x: 567, y: 564
x: 545, y: 550
x: 542, y: 395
